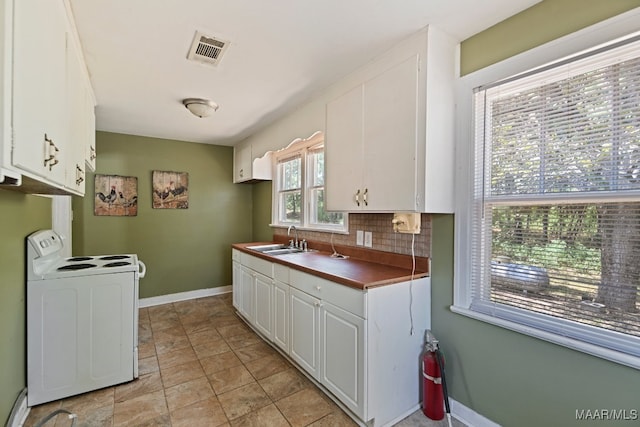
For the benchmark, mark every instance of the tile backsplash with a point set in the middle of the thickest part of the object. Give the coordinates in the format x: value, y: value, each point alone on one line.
x: 384, y: 238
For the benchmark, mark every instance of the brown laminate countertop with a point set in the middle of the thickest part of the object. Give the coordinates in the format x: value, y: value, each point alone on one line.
x: 353, y: 272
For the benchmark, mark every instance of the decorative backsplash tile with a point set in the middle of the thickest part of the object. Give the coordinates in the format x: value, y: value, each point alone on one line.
x: 384, y: 238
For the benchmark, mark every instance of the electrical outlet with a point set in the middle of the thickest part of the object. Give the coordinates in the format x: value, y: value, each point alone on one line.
x: 359, y: 238
x: 368, y: 239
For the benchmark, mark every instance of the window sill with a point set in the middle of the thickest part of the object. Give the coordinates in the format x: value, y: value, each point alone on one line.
x: 319, y: 230
x: 604, y: 353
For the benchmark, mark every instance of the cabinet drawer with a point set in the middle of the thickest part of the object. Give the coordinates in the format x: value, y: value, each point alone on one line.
x: 235, y: 255
x: 257, y: 264
x: 281, y: 273
x: 352, y: 300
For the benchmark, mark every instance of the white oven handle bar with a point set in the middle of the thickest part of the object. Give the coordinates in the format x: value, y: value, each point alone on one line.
x: 142, y: 269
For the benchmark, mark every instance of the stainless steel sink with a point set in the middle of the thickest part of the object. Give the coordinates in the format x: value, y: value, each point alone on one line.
x: 283, y: 251
x: 277, y: 249
x: 266, y: 248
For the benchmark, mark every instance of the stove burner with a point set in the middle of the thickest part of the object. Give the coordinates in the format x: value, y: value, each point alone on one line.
x: 79, y: 258
x: 112, y: 257
x: 76, y: 267
x: 117, y: 264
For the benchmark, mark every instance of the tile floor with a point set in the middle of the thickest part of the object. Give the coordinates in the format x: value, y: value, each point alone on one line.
x: 200, y: 365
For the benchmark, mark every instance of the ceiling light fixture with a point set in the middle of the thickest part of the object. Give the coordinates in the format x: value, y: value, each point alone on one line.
x: 200, y: 107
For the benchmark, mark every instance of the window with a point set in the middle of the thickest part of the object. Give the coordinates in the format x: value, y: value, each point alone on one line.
x: 299, y: 188
x: 554, y: 222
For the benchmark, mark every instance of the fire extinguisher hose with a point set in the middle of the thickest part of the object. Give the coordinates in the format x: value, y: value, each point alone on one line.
x: 439, y: 361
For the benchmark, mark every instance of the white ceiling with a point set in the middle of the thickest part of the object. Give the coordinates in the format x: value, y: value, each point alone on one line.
x: 280, y: 53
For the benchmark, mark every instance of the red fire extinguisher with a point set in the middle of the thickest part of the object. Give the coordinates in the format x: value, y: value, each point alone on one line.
x: 432, y: 392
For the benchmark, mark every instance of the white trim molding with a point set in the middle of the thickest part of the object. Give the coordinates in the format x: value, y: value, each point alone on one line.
x: 183, y: 296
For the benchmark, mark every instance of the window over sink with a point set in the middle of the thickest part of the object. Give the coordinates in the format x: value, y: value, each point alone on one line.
x: 298, y: 188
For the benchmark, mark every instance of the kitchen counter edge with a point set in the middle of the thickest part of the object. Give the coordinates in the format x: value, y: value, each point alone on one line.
x: 357, y: 275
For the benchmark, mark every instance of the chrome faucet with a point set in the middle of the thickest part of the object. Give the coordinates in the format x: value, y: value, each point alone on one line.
x: 291, y: 242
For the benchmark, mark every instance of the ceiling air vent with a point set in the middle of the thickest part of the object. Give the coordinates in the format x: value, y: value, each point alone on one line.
x: 207, y: 49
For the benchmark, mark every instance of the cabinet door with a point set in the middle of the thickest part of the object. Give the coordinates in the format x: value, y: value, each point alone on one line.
x: 247, y: 308
x: 242, y: 163
x: 264, y: 305
x: 281, y: 315
x: 390, y: 138
x: 76, y: 119
x: 305, y: 331
x: 342, y: 356
x: 39, y: 92
x: 236, y: 286
x: 343, y: 152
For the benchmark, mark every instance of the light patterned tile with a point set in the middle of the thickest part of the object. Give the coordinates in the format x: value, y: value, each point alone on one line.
x: 230, y: 379
x: 334, y: 419
x: 243, y: 400
x: 144, y: 384
x: 177, y: 357
x: 239, y: 341
x: 162, y: 324
x: 267, y: 416
x: 255, y: 351
x: 146, y: 350
x: 211, y: 348
x: 142, y: 410
x: 267, y: 366
x: 148, y: 365
x: 174, y: 344
x: 179, y: 374
x: 204, y: 336
x: 233, y: 330
x: 169, y: 334
x: 304, y: 407
x: 187, y: 393
x: 219, y: 362
x: 206, y: 413
x: 284, y: 383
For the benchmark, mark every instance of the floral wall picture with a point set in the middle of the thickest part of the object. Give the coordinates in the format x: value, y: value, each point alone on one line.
x: 170, y: 190
x: 116, y: 195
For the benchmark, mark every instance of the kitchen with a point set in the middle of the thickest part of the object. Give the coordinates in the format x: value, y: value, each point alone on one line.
x: 187, y: 251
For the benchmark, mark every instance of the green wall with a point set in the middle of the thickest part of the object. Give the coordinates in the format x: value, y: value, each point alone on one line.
x: 262, y: 194
x: 20, y: 215
x: 183, y: 249
x: 541, y: 23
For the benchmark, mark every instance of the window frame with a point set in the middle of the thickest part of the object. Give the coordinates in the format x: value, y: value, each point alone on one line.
x: 302, y: 148
x: 571, y: 45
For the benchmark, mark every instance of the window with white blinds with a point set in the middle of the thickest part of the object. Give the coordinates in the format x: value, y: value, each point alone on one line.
x: 556, y: 203
x: 299, y: 188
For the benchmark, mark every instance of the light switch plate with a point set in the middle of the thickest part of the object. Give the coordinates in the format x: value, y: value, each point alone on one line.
x: 368, y: 239
x: 359, y: 238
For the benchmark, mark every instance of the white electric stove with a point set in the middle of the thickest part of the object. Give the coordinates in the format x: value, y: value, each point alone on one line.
x: 82, y: 319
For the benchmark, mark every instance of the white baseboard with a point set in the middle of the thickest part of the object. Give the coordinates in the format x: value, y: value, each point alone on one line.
x: 468, y: 416
x: 183, y: 296
x: 20, y: 411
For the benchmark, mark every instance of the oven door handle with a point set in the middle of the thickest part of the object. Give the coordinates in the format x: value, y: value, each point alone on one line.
x: 142, y: 269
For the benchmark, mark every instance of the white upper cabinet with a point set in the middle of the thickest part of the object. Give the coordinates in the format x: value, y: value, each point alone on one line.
x: 248, y: 169
x: 47, y: 105
x: 389, y: 140
x: 39, y: 89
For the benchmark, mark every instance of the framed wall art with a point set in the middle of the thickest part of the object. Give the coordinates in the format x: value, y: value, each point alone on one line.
x: 170, y: 190
x: 115, y: 195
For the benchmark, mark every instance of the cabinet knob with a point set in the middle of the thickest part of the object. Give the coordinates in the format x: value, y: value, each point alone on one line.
x: 318, y: 288
x: 318, y: 304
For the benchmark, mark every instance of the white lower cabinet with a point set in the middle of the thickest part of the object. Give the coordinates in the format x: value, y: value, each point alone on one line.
x: 305, y: 331
x: 246, y: 294
x: 281, y: 315
x: 343, y: 362
x: 263, y: 286
x: 362, y: 346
